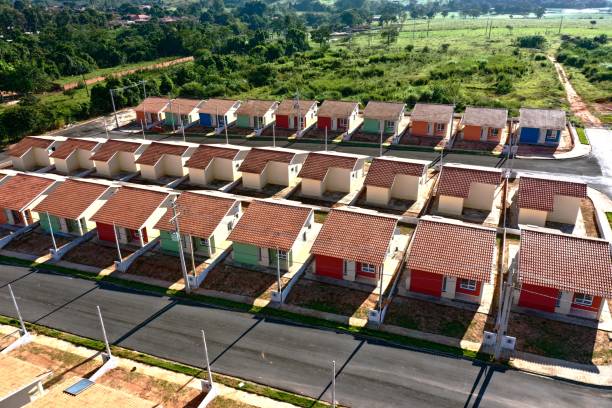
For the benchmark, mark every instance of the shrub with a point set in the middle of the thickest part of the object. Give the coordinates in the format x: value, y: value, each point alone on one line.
x: 531, y: 41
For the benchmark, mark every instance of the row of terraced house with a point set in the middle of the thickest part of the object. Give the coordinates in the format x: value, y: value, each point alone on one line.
x: 308, y: 119
x: 446, y: 256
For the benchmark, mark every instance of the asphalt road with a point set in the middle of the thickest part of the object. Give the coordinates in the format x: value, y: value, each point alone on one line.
x: 586, y: 169
x: 283, y: 355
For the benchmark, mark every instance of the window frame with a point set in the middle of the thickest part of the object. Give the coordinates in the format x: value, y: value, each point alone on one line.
x: 468, y: 284
x: 583, y: 299
x: 368, y: 268
x: 440, y: 127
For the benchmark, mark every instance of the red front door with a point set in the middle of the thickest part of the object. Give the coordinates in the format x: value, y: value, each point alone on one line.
x: 538, y: 297
x: 323, y: 122
x: 426, y: 282
x: 282, y: 121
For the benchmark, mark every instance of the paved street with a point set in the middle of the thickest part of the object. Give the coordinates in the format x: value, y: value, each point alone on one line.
x: 586, y: 169
x: 288, y: 356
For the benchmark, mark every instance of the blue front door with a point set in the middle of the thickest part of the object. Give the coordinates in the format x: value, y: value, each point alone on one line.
x: 205, y: 119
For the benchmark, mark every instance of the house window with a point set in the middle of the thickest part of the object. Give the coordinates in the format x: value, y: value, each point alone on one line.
x: 389, y: 124
x: 204, y: 242
x: 282, y: 255
x: 559, y: 296
x: 550, y: 135
x: 259, y: 121
x: 230, y: 225
x: 368, y: 268
x: 440, y: 127
x: 494, y: 132
x: 237, y: 165
x: 304, y: 236
x: 468, y: 284
x: 342, y: 122
x: 444, y: 284
x: 583, y: 299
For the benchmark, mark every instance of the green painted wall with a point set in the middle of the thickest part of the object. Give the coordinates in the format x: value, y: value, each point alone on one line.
x: 246, y: 254
x: 243, y: 121
x: 44, y: 222
x: 171, y: 117
x: 371, y: 125
x: 272, y: 255
x: 167, y: 244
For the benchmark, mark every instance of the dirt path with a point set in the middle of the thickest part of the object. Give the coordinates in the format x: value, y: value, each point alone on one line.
x: 91, y: 81
x: 577, y: 105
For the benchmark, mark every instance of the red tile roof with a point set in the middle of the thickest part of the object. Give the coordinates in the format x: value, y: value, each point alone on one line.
x: 257, y: 159
x: 453, y: 249
x: 255, y: 107
x: 383, y: 110
x: 19, y: 190
x: 71, y: 198
x: 542, y: 118
x: 489, y: 117
x: 153, y: 105
x: 538, y: 193
x: 565, y: 262
x: 270, y: 225
x: 288, y: 107
x: 455, y: 181
x: 25, y: 144
x: 432, y: 112
x: 356, y: 236
x: 217, y: 106
x: 154, y: 152
x: 199, y: 215
x: 110, y: 148
x: 337, y: 109
x: 204, y: 154
x: 130, y: 207
x: 317, y: 164
x: 69, y: 146
x: 183, y: 106
x: 382, y: 172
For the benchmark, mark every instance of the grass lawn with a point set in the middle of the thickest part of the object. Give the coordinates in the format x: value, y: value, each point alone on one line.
x: 609, y: 216
x: 582, y: 136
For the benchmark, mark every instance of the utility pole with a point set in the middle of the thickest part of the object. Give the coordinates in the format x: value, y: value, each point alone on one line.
x: 561, y: 24
x: 325, y: 138
x: 380, y: 294
x: 380, y: 153
x: 278, y: 276
x: 210, y: 376
x: 333, y: 387
x: 299, y: 116
x: 51, y: 231
x: 106, y: 128
x: 274, y: 134
x: 21, y: 322
x: 171, y: 113
x: 177, y: 230
x: 226, y: 136
x: 108, y: 350
x: 114, y: 108
x: 117, y: 242
x: 143, y: 130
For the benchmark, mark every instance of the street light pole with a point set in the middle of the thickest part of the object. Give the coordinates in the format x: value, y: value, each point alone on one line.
x: 210, y: 376
x: 114, y: 109
x: 117, y: 242
x: 278, y: 276
x: 51, y: 231
x: 333, y: 399
x: 175, y: 220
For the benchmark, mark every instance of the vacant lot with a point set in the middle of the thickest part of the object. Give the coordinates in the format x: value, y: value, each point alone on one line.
x: 35, y: 243
x: 93, y: 253
x: 241, y: 281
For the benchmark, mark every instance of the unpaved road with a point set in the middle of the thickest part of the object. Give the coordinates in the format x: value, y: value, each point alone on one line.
x: 577, y: 105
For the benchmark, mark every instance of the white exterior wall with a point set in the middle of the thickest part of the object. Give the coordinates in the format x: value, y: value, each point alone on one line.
x: 127, y: 162
x: 405, y: 187
x: 481, y: 196
x: 532, y: 217
x: 84, y: 159
x: 312, y: 187
x: 222, y: 231
x: 565, y: 210
x: 253, y: 180
x: 299, y: 249
x: 151, y: 172
x: 67, y: 165
x: 173, y: 166
x: 450, y: 205
x: 378, y: 195
x: 277, y: 173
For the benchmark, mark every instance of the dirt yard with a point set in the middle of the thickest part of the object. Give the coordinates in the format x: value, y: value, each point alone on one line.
x: 423, y: 141
x: 269, y: 190
x: 279, y: 132
x: 359, y: 136
x: 319, y: 134
x: 238, y: 131
x: 489, y: 147
x: 240, y: 281
x: 66, y: 365
x: 588, y: 215
x: 435, y: 318
x: 158, y: 265
x: 35, y: 243
x: 330, y: 298
x: 555, y: 339
x: 93, y: 253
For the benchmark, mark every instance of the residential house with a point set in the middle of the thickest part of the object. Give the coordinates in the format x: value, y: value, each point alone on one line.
x: 290, y: 111
x: 430, y: 119
x: 115, y: 157
x: 271, y: 165
x: 332, y: 172
x: 218, y: 112
x: 383, y: 116
x: 450, y: 259
x: 462, y: 186
x: 483, y: 124
x: 129, y: 216
x: 391, y: 178
x: 32, y: 152
x: 68, y: 208
x: 541, y: 126
x: 74, y: 155
x: 542, y: 200
x: 357, y: 245
x: 212, y: 162
x: 338, y: 116
x: 160, y: 160
x: 206, y: 220
x: 271, y: 227
x: 151, y: 111
x: 21, y: 382
x: 563, y: 274
x: 20, y: 193
x: 256, y: 114
x: 182, y: 112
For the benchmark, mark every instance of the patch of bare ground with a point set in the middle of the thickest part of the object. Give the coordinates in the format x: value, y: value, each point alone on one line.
x: 330, y: 298
x: 238, y: 131
x: 241, y: 281
x: 424, y: 141
x: 269, y: 190
x: 35, y: 243
x: 435, y: 318
x: 319, y: 134
x: 279, y: 132
x: 555, y: 339
x: 588, y: 215
x: 95, y: 254
x: 157, y: 265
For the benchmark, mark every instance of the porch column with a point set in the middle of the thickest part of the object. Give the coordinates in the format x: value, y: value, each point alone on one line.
x: 449, y: 290
x: 24, y: 218
x: 80, y: 227
x: 565, y: 303
x: 142, y: 243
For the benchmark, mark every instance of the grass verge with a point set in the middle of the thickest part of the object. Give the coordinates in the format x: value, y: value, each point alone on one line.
x: 609, y: 216
x: 250, y: 387
x: 268, y: 312
x: 582, y: 136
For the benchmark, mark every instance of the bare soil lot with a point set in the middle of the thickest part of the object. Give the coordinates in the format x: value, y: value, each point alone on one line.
x: 93, y: 253
x: 330, y: 298
x: 359, y: 136
x: 165, y: 267
x: 424, y: 141
x: 279, y: 132
x: 269, y: 190
x: 319, y: 134
x: 435, y: 318
x: 36, y: 243
x: 232, y: 279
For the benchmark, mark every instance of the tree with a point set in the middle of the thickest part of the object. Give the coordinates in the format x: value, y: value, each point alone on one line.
x: 166, y: 87
x: 297, y: 41
x: 261, y: 75
x: 593, y: 22
x: 321, y: 35
x: 390, y: 34
x: 193, y: 90
x: 539, y: 12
